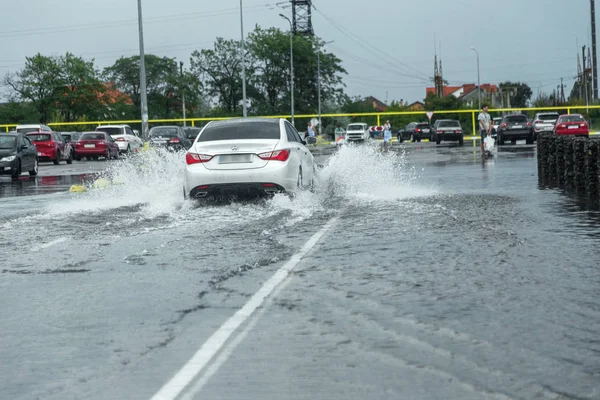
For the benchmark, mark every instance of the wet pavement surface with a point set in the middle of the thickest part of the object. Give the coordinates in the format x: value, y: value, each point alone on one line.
x: 443, y: 276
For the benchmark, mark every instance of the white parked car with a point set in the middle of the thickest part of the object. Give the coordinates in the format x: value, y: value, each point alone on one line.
x: 247, y: 158
x: 358, y: 132
x: 32, y: 128
x: 127, y: 139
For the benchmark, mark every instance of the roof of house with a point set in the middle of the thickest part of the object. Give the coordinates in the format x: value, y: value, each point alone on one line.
x: 377, y: 104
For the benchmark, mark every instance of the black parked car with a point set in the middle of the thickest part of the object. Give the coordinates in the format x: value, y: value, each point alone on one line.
x: 72, y: 138
x: 448, y: 129
x: 515, y: 127
x: 171, y: 137
x: 191, y: 132
x: 17, y: 154
x: 404, y: 133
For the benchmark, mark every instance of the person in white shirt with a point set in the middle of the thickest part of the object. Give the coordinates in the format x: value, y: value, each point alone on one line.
x: 485, y: 125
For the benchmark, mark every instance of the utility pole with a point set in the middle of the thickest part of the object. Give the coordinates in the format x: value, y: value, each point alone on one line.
x: 291, y: 63
x: 245, y: 110
x: 594, y: 57
x: 478, y: 77
x: 143, y: 98
x: 585, y: 80
x: 562, y: 91
x: 182, y: 89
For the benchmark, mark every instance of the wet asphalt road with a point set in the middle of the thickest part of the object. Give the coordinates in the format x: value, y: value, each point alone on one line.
x: 443, y: 276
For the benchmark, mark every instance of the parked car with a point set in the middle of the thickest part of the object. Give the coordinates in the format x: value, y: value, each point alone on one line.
x: 448, y: 130
x: 247, y: 158
x: 93, y: 145
x: 191, y: 132
x: 71, y: 138
x: 170, y: 137
x: 573, y: 125
x: 495, y: 124
x: 544, y: 122
x: 32, y: 128
x: 17, y: 154
x: 357, y: 132
x: 51, y: 146
x: 127, y: 140
x: 515, y: 127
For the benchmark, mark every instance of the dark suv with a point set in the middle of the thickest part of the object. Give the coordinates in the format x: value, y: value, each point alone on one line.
x: 515, y: 127
x: 448, y: 129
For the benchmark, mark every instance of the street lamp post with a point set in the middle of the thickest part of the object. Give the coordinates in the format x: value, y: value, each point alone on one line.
x: 478, y: 77
x: 244, y: 107
x: 291, y: 64
x: 182, y: 89
x: 143, y: 98
x: 319, y: 84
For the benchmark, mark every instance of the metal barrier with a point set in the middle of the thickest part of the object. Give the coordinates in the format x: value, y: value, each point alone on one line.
x: 379, y: 115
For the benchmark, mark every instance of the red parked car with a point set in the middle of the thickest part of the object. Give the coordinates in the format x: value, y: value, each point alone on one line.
x: 92, y: 145
x: 51, y: 146
x: 572, y: 124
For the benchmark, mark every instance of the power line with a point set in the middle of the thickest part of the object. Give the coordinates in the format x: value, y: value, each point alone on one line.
x: 361, y: 42
x: 131, y: 23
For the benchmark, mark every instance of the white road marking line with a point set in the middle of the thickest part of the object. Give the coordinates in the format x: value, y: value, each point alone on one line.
x: 215, y: 343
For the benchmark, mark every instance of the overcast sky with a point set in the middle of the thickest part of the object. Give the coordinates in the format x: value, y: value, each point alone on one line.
x: 389, y: 55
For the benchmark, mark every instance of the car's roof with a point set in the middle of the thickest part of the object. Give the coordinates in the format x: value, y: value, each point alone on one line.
x: 571, y: 115
x: 113, y: 126
x: 30, y: 126
x: 236, y: 121
x: 165, y: 126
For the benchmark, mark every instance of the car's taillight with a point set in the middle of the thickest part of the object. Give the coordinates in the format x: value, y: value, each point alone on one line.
x: 583, y: 125
x: 458, y: 131
x: 503, y: 125
x: 193, y: 158
x: 528, y: 123
x: 78, y: 144
x: 121, y: 139
x: 416, y: 130
x: 538, y: 122
x: 278, y: 155
x: 174, y: 140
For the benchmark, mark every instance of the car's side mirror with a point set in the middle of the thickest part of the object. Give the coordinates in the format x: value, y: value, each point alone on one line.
x: 24, y: 147
x: 304, y: 142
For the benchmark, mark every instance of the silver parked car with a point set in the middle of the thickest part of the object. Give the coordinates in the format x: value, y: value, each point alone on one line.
x: 544, y: 122
x: 243, y: 158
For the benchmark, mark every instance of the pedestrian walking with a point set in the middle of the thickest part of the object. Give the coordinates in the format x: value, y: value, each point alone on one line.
x: 387, y: 135
x: 339, y: 131
x: 485, y: 126
x: 310, y: 133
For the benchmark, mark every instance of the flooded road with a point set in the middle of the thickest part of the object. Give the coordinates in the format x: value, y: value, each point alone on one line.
x: 434, y: 275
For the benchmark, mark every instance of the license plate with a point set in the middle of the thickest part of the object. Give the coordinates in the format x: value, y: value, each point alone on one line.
x: 426, y: 130
x: 573, y: 126
x: 517, y: 126
x: 548, y: 128
x: 235, y: 158
x: 89, y: 145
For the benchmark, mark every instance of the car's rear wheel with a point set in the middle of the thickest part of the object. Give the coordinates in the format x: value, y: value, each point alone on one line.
x: 530, y: 139
x: 56, y: 161
x: 500, y: 140
x: 70, y: 159
x: 400, y: 140
x: 95, y: 158
x: 461, y: 141
x: 438, y: 139
x: 16, y: 172
x: 34, y: 171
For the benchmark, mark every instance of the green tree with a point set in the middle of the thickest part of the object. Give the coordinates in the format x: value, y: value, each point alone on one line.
x: 37, y: 82
x: 522, y: 96
x: 220, y: 70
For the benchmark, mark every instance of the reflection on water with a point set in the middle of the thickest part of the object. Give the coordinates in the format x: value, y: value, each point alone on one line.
x: 35, y: 185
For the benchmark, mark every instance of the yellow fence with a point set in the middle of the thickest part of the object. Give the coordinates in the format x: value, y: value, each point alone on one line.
x: 379, y: 115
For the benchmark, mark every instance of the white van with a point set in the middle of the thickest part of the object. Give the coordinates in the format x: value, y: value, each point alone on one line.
x: 32, y: 128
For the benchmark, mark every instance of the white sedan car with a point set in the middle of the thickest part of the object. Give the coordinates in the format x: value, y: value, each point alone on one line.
x: 124, y: 136
x: 247, y: 157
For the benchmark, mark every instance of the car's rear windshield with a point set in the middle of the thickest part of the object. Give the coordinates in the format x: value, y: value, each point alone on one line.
x: 93, y: 136
x: 572, y: 118
x: 191, y: 133
x: 356, y: 127
x: 7, y: 142
x: 242, y: 130
x: 38, y: 137
x: 548, y: 117
x: 516, y: 118
x: 111, y: 131
x: 27, y: 130
x: 449, y: 124
x: 164, y: 132
x: 423, y: 125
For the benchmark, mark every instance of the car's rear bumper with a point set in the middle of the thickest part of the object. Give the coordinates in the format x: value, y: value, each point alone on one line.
x: 90, y: 152
x: 572, y: 132
x: 238, y: 190
x: 450, y: 136
x: 47, y: 155
x: 517, y: 133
